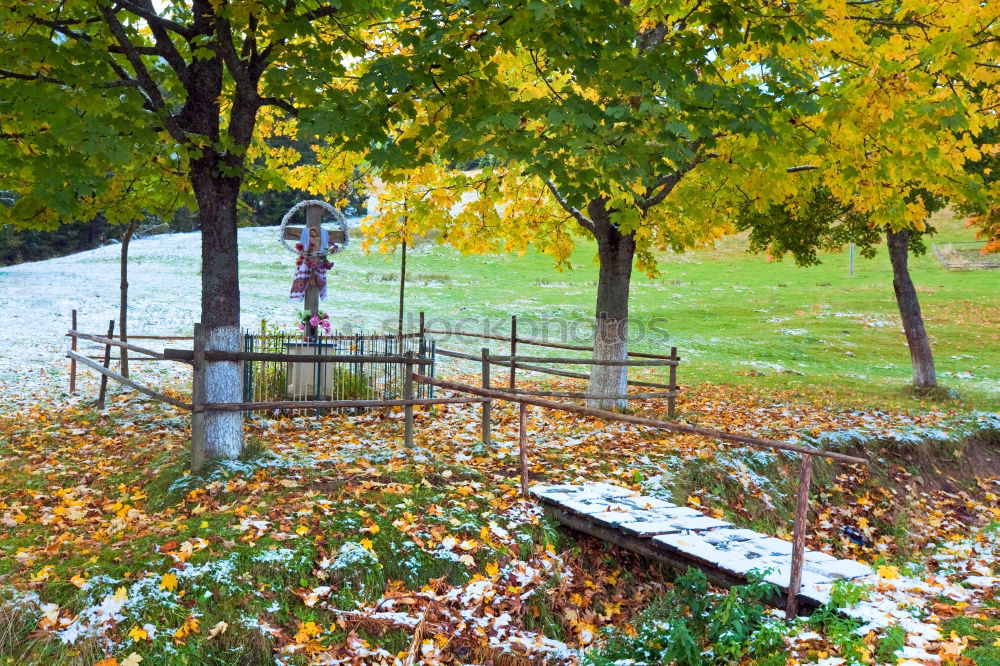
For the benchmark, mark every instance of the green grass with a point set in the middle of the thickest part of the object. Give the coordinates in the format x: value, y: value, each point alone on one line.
x: 736, y: 318
x: 984, y: 635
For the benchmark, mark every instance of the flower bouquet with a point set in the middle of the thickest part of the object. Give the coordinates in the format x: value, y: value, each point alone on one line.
x: 320, y: 321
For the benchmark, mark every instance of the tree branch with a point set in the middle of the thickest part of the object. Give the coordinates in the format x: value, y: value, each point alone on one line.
x: 155, y: 20
x: 582, y: 219
x: 238, y: 68
x: 8, y: 74
x: 145, y: 81
x: 283, y: 104
x: 165, y: 46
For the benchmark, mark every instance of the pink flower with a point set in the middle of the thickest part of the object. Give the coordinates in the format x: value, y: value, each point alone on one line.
x: 314, y: 320
x: 301, y: 326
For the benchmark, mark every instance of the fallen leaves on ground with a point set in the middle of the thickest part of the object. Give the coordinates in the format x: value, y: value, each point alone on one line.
x: 335, y: 543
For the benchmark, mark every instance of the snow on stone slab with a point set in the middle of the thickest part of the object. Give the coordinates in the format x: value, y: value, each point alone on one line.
x: 819, y: 593
x: 781, y: 576
x: 845, y: 569
x: 730, y: 535
x: 649, y: 528
x: 772, y: 545
x: 596, y: 491
x: 626, y: 517
x: 650, y: 503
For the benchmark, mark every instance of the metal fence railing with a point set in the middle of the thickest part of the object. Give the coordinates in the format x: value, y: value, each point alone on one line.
x: 364, y: 379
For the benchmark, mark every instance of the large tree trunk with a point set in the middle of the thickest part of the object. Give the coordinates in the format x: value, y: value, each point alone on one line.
x: 220, y: 303
x: 123, y: 298
x: 924, y: 376
x: 615, y: 251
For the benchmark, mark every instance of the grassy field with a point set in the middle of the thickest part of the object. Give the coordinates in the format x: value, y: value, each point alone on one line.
x: 736, y: 318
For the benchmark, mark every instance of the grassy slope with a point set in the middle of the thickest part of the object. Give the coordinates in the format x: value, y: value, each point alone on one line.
x: 736, y: 318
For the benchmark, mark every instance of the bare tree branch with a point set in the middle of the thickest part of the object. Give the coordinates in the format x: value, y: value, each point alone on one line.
x: 146, y: 12
x: 283, y: 104
x: 145, y: 81
x: 8, y: 74
x: 164, y: 44
x: 582, y: 219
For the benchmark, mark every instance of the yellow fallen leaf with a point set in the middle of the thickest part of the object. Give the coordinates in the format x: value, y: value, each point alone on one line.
x: 888, y: 573
x: 138, y: 634
x: 168, y: 582
x: 492, y: 569
x: 693, y: 499
x: 121, y: 594
x: 367, y: 544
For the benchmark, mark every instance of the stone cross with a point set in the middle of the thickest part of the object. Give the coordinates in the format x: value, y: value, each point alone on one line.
x: 314, y: 217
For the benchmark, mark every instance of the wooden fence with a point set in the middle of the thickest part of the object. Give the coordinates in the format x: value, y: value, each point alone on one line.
x: 513, y: 362
x: 199, y: 357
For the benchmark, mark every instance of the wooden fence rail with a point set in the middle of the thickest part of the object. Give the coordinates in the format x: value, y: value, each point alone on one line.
x: 532, y: 341
x: 110, y: 340
x: 494, y: 360
x: 514, y: 362
x: 585, y: 361
x: 329, y: 404
x: 111, y: 374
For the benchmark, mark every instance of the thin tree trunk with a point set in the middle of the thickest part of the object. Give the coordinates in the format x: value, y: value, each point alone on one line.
x: 924, y: 375
x: 123, y: 300
x: 615, y: 253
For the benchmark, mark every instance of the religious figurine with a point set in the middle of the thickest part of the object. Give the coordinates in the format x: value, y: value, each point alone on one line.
x: 311, y: 265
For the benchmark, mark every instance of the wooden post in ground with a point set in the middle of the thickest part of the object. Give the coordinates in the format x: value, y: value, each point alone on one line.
x: 422, y: 324
x: 672, y: 400
x: 107, y: 366
x: 522, y: 429
x: 402, y: 295
x: 197, y: 400
x: 408, y: 395
x: 72, y: 361
x: 799, y: 537
x: 486, y: 405
x: 513, y: 348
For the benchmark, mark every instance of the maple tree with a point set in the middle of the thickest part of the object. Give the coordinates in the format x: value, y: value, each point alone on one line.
x: 909, y: 126
x: 119, y: 85
x: 585, y: 118
x: 823, y: 223
x: 648, y: 125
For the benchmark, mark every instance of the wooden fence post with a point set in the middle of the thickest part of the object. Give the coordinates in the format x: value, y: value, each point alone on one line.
x: 421, y: 323
x: 513, y: 349
x: 672, y: 400
x: 408, y: 395
x: 522, y: 424
x: 107, y: 366
x: 799, y: 537
x: 72, y: 361
x: 197, y: 400
x: 486, y: 405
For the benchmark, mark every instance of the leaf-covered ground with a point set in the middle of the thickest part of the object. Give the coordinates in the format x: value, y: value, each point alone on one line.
x: 334, y: 544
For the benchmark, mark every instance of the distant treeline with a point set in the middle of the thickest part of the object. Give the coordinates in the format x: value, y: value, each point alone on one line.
x: 257, y: 209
